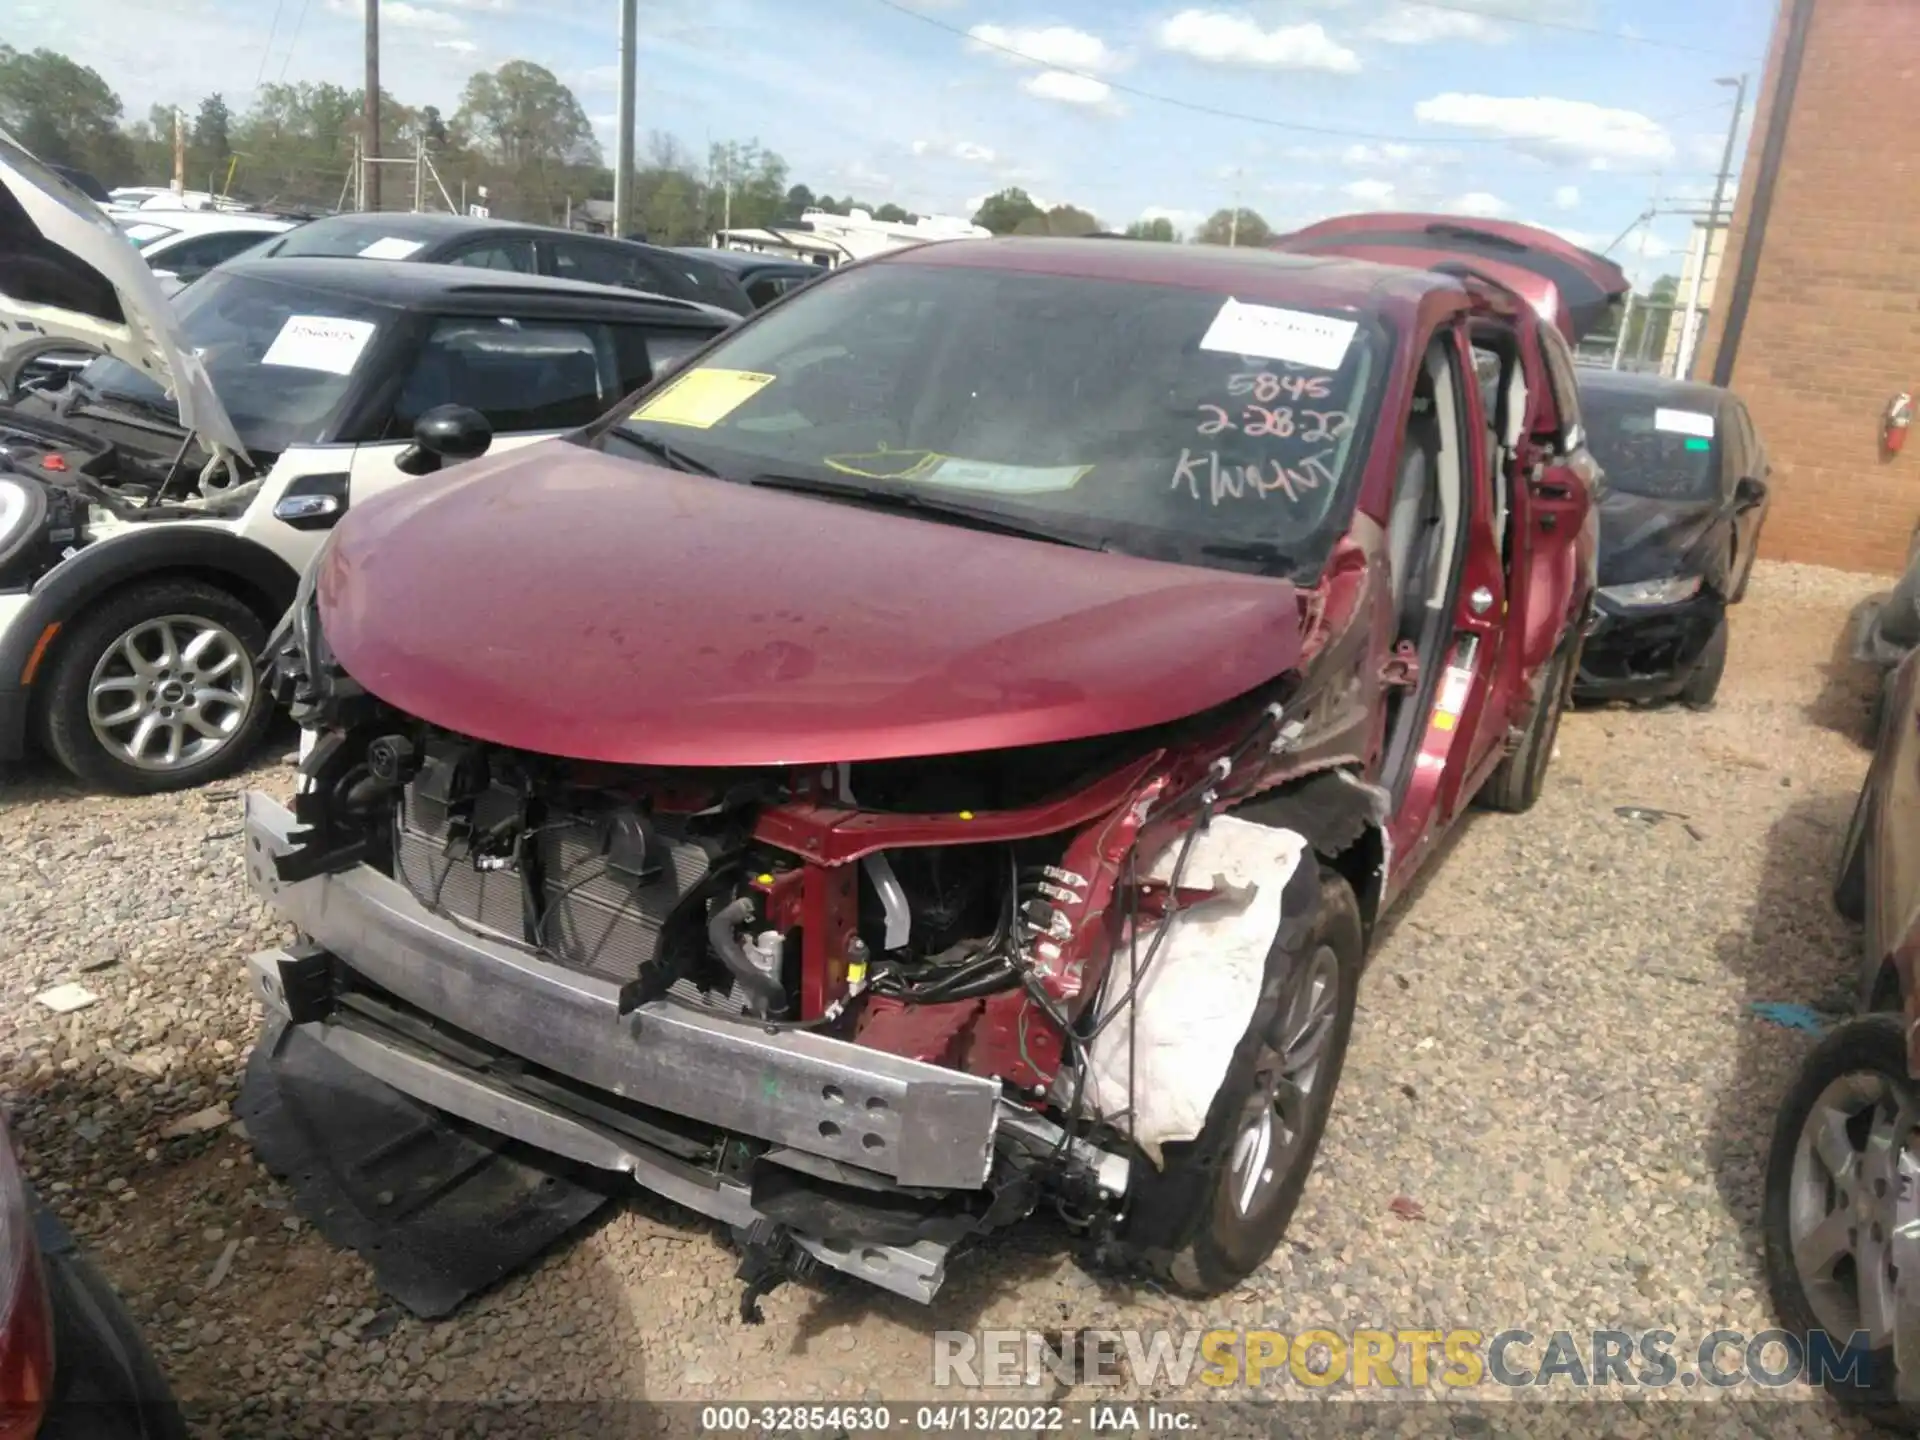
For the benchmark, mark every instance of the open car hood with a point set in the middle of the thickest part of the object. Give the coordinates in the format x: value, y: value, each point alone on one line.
x: 1574, y: 288
x: 67, y: 272
x: 563, y: 601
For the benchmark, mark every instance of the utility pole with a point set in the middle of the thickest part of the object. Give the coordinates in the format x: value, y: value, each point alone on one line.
x: 370, y: 122
x: 1233, y: 225
x: 623, y: 146
x: 179, y: 152
x: 1690, y: 335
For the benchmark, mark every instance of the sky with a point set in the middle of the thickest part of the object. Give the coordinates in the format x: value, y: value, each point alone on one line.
x: 1576, y: 114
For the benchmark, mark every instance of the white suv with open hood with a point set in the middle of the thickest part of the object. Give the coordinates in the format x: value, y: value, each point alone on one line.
x: 158, y: 507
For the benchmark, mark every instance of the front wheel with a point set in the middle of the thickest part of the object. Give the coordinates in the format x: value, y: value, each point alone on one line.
x: 1842, y: 1196
x: 1215, y: 1212
x: 1704, y: 683
x: 157, y: 688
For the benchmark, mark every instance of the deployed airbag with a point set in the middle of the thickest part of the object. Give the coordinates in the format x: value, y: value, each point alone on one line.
x: 1199, y: 995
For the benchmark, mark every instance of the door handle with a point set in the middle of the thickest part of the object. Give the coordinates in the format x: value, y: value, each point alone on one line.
x: 1551, y: 489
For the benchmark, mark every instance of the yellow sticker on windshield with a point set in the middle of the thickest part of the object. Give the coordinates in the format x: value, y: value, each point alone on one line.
x: 703, y: 398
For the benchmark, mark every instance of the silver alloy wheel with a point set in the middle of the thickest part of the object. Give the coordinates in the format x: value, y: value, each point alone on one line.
x: 1286, y: 1081
x: 1853, y: 1207
x: 170, y: 692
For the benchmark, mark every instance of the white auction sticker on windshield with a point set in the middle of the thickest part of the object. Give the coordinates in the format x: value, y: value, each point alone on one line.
x: 390, y: 247
x: 1684, y: 422
x: 1004, y: 479
x: 1267, y: 332
x: 319, y: 342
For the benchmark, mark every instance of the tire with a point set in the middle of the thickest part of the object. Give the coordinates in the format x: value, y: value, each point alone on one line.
x: 1187, y: 1223
x: 1704, y: 683
x: 1862, y: 1058
x: 1517, y: 783
x: 94, y: 654
x: 1850, y: 882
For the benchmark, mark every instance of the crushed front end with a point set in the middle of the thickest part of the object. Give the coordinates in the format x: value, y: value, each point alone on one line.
x: 842, y: 1009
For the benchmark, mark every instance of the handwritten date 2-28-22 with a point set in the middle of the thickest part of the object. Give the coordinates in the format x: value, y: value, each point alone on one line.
x: 1204, y: 477
x: 1313, y: 427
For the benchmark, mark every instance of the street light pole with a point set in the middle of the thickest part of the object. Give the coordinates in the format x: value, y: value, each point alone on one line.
x: 623, y: 144
x: 370, y: 121
x: 1690, y: 337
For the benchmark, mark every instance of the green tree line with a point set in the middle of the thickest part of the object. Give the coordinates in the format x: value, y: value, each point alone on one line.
x: 518, y: 132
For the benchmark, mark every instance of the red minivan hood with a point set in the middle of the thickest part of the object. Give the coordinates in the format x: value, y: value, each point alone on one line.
x: 562, y: 601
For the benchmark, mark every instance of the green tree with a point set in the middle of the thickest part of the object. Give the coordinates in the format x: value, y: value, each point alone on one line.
x: 1158, y: 228
x: 1004, y: 212
x: 532, y: 137
x: 1221, y: 229
x: 893, y: 214
x: 212, y: 140
x: 799, y: 199
x: 749, y: 184
x: 64, y: 113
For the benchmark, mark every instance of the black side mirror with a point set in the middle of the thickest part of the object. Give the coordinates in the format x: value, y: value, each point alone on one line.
x: 1749, y: 492
x: 445, y: 435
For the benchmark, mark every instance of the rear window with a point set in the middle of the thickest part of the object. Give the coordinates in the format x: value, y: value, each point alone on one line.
x: 369, y: 237
x: 1661, y: 451
x: 144, y: 232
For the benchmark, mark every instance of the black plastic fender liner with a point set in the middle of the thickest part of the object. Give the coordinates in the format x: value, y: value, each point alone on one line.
x: 440, y: 1209
x: 134, y: 555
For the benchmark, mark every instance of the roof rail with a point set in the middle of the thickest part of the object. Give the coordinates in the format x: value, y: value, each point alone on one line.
x: 568, y: 288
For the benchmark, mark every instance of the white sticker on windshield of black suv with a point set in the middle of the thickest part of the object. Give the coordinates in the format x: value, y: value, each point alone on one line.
x: 319, y: 342
x: 1684, y: 422
x: 1296, y: 337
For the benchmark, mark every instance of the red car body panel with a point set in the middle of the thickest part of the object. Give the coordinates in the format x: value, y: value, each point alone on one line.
x: 564, y: 602
x: 1532, y: 262
x: 652, y: 617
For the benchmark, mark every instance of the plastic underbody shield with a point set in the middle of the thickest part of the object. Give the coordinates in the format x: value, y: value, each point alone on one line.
x: 440, y: 1209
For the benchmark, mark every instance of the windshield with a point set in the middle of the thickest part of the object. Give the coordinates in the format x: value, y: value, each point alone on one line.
x: 279, y: 356
x: 1165, y: 422
x: 143, y: 232
x: 1659, y: 452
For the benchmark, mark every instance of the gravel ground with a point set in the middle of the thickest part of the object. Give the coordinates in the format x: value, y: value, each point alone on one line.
x: 1554, y: 1057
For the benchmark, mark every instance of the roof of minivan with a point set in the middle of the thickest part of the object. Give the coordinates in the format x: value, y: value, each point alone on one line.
x: 1244, y: 271
x: 411, y: 284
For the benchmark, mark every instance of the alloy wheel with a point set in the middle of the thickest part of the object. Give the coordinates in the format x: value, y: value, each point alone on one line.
x: 1853, y: 1212
x: 170, y: 692
x: 1286, y: 1085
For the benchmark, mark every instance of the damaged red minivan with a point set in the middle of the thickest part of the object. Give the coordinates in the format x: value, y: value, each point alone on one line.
x: 943, y: 749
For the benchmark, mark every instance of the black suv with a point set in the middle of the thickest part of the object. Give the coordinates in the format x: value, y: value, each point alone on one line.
x: 519, y: 249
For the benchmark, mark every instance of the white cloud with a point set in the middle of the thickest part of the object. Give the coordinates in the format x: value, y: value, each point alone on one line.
x: 1375, y: 194
x: 1567, y: 197
x: 1378, y: 156
x: 1220, y: 38
x: 1479, y: 202
x: 1068, y: 88
x: 419, y: 17
x: 459, y: 47
x: 1050, y: 45
x: 1554, y: 129
x: 963, y: 150
x: 1418, y: 25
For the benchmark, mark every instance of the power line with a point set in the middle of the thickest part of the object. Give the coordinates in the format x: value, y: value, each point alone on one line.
x: 292, y: 40
x: 267, y: 52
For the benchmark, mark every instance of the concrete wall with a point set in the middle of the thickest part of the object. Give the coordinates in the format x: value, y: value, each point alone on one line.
x: 1833, y: 330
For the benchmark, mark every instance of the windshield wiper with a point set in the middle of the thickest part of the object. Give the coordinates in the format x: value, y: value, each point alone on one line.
x: 671, y: 455
x: 911, y: 500
x: 1259, y: 552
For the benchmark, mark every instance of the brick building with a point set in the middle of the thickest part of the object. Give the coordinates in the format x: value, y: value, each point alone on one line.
x: 1817, y: 320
